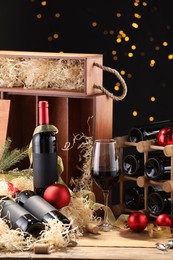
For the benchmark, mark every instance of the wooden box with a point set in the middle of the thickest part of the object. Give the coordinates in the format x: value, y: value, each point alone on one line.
x: 4, y: 116
x: 91, y: 115
x: 51, y: 72
x: 73, y: 111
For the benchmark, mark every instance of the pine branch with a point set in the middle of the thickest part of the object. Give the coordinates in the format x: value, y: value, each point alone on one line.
x: 11, y: 158
x: 5, y: 149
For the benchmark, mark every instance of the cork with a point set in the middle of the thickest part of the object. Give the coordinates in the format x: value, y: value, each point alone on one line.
x: 41, y: 248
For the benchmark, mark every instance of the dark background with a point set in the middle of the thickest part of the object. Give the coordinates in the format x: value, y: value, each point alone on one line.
x: 22, y: 29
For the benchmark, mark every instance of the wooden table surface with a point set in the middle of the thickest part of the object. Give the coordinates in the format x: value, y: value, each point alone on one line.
x: 105, y: 245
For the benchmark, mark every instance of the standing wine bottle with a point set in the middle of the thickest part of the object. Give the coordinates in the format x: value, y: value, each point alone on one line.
x: 159, y: 202
x: 147, y: 132
x: 18, y: 217
x: 44, y: 151
x: 158, y: 168
x: 39, y: 207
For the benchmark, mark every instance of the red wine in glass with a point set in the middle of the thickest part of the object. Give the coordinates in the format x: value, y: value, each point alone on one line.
x: 105, y: 179
x: 105, y: 171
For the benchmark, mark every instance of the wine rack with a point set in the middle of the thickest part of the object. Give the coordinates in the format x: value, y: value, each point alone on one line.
x: 142, y: 181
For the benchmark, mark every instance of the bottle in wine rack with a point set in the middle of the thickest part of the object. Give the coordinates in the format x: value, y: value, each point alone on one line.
x: 39, y: 207
x: 133, y: 164
x: 147, y: 132
x: 19, y: 218
x: 158, y: 168
x: 159, y: 202
x: 44, y: 151
x: 134, y: 198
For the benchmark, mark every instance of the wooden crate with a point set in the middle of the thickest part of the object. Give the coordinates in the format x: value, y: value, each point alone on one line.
x: 64, y: 72
x: 4, y: 117
x: 70, y: 108
x: 91, y: 115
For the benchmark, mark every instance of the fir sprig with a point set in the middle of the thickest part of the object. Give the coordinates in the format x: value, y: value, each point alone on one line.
x: 9, y: 158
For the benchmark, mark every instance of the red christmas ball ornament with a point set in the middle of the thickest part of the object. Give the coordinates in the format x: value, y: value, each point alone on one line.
x: 57, y: 195
x: 165, y: 136
x: 12, y: 189
x: 164, y: 220
x: 137, y: 221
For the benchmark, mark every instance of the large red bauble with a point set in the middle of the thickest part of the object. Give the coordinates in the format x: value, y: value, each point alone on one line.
x: 57, y: 195
x: 137, y: 221
x: 165, y: 136
x: 164, y: 220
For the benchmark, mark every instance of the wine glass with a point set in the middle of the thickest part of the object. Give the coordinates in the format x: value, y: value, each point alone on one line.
x: 105, y: 170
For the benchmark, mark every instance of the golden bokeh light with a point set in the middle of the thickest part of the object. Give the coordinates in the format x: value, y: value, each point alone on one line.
x: 135, y: 113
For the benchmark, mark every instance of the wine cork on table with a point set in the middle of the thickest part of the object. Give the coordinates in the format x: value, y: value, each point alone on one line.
x: 92, y: 228
x: 41, y: 248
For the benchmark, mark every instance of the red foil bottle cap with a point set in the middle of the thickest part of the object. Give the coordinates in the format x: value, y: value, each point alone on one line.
x: 43, y: 112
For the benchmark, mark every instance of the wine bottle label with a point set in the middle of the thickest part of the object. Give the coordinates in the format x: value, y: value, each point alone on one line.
x: 38, y: 206
x: 11, y: 210
x: 45, y: 170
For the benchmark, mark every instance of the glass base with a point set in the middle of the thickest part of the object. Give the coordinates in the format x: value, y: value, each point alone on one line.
x: 106, y: 227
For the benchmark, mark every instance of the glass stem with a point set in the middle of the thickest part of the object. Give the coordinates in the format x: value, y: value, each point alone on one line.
x: 106, y: 197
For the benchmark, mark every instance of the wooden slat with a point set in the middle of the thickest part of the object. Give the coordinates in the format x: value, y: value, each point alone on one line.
x: 4, y: 116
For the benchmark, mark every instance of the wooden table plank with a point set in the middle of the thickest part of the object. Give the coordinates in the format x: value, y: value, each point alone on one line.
x: 96, y: 253
x: 125, y: 238
x: 106, y: 245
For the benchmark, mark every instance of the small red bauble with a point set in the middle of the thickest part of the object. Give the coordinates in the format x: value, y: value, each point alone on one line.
x: 137, y: 221
x: 165, y: 136
x: 164, y: 220
x: 57, y: 195
x: 12, y: 189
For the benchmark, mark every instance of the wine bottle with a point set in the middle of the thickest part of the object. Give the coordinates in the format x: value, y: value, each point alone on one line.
x: 147, y: 132
x: 133, y: 164
x: 44, y: 152
x: 39, y: 207
x: 18, y: 217
x: 158, y: 168
x: 159, y: 202
x: 134, y: 198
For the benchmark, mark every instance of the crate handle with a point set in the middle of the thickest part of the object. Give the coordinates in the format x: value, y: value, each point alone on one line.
x: 116, y: 73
